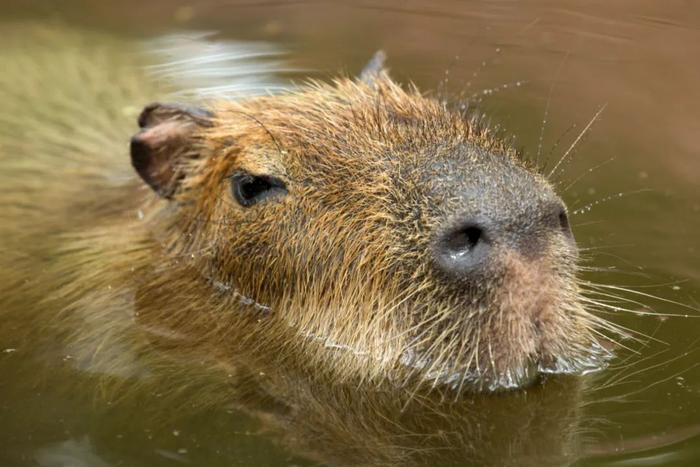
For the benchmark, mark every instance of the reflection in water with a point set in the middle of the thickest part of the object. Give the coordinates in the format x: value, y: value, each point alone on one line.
x: 77, y: 453
x: 262, y: 413
x: 197, y: 67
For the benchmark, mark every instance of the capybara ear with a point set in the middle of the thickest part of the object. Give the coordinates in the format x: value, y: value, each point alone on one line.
x: 166, y: 139
x: 373, y: 68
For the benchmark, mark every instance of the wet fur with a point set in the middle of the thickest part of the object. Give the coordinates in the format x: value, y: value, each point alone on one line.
x: 334, y: 279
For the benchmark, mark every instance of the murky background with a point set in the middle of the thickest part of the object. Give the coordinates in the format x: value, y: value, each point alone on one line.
x: 542, y: 70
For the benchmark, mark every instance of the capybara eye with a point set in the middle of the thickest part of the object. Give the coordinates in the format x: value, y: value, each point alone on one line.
x: 249, y: 189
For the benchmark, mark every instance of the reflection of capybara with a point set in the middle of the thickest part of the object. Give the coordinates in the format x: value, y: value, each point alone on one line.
x: 355, y: 229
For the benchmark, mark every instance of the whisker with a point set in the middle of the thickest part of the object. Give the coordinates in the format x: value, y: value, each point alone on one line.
x: 555, y: 146
x: 493, y: 90
x: 615, y: 246
x: 640, y: 312
x: 600, y: 334
x: 587, y: 207
x: 576, y: 141
x: 661, y: 381
x: 582, y: 224
x: 586, y: 173
x: 546, y: 107
x: 623, y: 260
x: 621, y: 378
x: 482, y: 67
x: 643, y: 294
x: 624, y: 332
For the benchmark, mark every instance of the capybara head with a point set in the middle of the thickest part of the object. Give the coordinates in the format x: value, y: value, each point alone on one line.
x: 386, y: 234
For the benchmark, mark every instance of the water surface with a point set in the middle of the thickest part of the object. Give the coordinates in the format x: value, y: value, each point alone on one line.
x: 540, y: 69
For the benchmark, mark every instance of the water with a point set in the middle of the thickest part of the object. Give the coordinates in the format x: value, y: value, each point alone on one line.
x: 633, y: 182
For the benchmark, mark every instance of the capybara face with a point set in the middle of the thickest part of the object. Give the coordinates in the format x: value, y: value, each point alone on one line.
x: 390, y: 236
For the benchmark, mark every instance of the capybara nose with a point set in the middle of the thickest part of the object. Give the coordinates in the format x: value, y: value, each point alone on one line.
x: 471, y: 246
x: 464, y: 249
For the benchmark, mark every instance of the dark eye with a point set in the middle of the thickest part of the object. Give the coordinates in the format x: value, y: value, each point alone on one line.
x: 249, y: 189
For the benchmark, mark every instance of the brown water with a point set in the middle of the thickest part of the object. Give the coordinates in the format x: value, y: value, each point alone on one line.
x: 633, y: 182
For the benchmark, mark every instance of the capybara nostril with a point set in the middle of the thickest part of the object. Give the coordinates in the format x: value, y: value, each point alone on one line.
x: 464, y: 240
x: 463, y: 250
x: 564, y: 222
x: 555, y: 218
x: 473, y: 246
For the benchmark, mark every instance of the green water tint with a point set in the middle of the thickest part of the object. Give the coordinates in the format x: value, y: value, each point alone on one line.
x: 643, y: 410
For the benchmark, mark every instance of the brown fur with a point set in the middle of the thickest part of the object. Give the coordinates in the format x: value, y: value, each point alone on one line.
x: 337, y: 262
x: 335, y: 278
x: 321, y: 312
